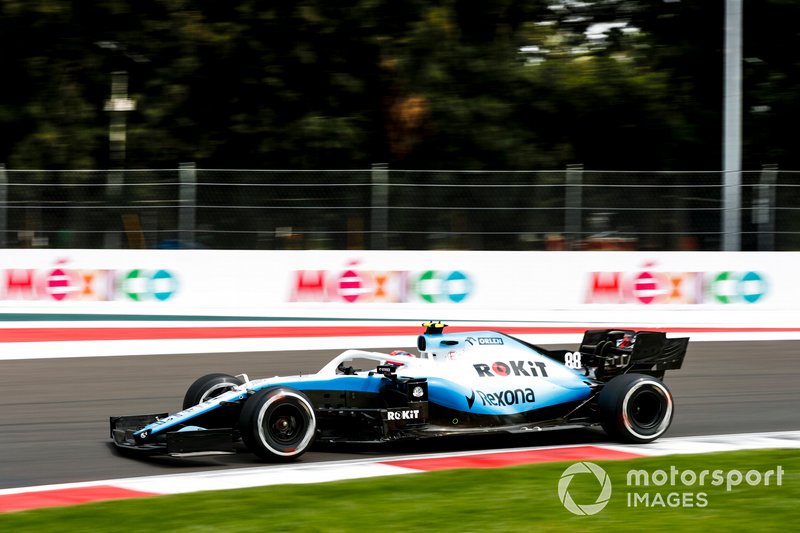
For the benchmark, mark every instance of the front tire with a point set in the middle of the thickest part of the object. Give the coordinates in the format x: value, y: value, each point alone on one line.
x: 635, y: 408
x: 209, y: 386
x: 278, y: 424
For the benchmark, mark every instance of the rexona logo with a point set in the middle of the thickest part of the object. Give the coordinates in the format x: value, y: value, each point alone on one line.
x: 511, y: 368
x: 354, y: 285
x: 61, y: 283
x: 651, y: 287
x: 503, y: 398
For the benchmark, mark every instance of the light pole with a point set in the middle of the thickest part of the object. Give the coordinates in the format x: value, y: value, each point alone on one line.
x: 732, y: 125
x: 117, y: 105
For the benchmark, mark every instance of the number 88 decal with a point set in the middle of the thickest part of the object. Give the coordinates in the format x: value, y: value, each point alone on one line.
x: 572, y: 360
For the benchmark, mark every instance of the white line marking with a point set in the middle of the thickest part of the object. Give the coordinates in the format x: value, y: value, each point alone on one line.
x: 300, y: 473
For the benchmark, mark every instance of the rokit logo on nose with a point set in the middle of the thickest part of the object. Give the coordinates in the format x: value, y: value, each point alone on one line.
x: 515, y: 368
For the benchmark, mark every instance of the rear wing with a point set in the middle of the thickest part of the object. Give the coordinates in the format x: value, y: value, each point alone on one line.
x: 646, y: 352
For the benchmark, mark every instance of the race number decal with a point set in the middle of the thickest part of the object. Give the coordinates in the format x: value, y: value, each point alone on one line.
x: 572, y: 360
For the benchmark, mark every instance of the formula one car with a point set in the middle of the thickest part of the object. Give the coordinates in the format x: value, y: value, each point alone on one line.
x: 460, y: 383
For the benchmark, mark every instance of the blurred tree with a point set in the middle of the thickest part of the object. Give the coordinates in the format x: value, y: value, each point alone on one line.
x: 47, y: 115
x: 506, y: 84
x: 771, y: 84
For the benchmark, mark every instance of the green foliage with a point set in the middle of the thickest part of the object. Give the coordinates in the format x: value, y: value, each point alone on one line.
x: 522, y: 498
x: 505, y: 84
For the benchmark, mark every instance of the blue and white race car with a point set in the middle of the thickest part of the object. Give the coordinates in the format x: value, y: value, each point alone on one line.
x: 459, y: 383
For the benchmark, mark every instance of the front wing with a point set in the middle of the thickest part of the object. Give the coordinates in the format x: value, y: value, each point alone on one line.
x: 187, y: 441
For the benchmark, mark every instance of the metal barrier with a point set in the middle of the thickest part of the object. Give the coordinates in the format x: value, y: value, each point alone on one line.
x: 381, y: 208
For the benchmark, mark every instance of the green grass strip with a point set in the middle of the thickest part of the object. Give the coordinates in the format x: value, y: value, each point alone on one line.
x: 522, y: 498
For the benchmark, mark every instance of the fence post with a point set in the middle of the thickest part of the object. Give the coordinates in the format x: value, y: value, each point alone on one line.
x: 187, y: 204
x: 573, y: 200
x: 764, y: 208
x: 3, y: 206
x: 113, y: 199
x: 380, y: 201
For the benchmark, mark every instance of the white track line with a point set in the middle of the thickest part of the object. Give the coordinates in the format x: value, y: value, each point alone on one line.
x: 299, y: 473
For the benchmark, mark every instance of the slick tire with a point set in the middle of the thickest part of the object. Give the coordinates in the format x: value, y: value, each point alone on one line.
x: 278, y: 424
x: 635, y: 408
x: 209, y: 386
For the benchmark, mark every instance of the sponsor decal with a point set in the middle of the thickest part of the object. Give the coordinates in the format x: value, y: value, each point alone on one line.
x: 512, y: 368
x: 199, y: 407
x: 354, y: 285
x: 162, y: 421
x: 62, y: 283
x: 651, y: 287
x: 470, y: 400
x: 406, y: 414
x: 504, y: 398
x: 573, y: 360
x: 490, y: 340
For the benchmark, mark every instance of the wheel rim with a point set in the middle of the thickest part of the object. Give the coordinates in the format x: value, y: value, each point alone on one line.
x: 284, y: 425
x: 647, y: 410
x: 286, y: 429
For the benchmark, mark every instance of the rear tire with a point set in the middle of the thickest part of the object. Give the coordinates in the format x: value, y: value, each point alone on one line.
x: 278, y: 424
x: 209, y: 386
x: 635, y: 408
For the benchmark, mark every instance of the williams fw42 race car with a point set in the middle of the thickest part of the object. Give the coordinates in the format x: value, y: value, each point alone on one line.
x: 461, y: 383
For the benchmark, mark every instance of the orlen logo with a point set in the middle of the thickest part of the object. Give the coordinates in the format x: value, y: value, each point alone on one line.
x: 354, y: 285
x: 653, y: 287
x: 511, y: 368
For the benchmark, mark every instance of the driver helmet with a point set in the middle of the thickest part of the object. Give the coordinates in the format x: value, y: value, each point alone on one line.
x: 401, y: 353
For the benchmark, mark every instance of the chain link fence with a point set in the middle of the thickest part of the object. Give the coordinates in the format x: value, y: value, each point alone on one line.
x: 380, y: 208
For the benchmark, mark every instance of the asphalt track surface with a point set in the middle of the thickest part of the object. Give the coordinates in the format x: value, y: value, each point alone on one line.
x: 54, y: 421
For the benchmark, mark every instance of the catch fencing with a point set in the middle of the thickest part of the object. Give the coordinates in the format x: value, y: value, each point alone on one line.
x: 385, y: 209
